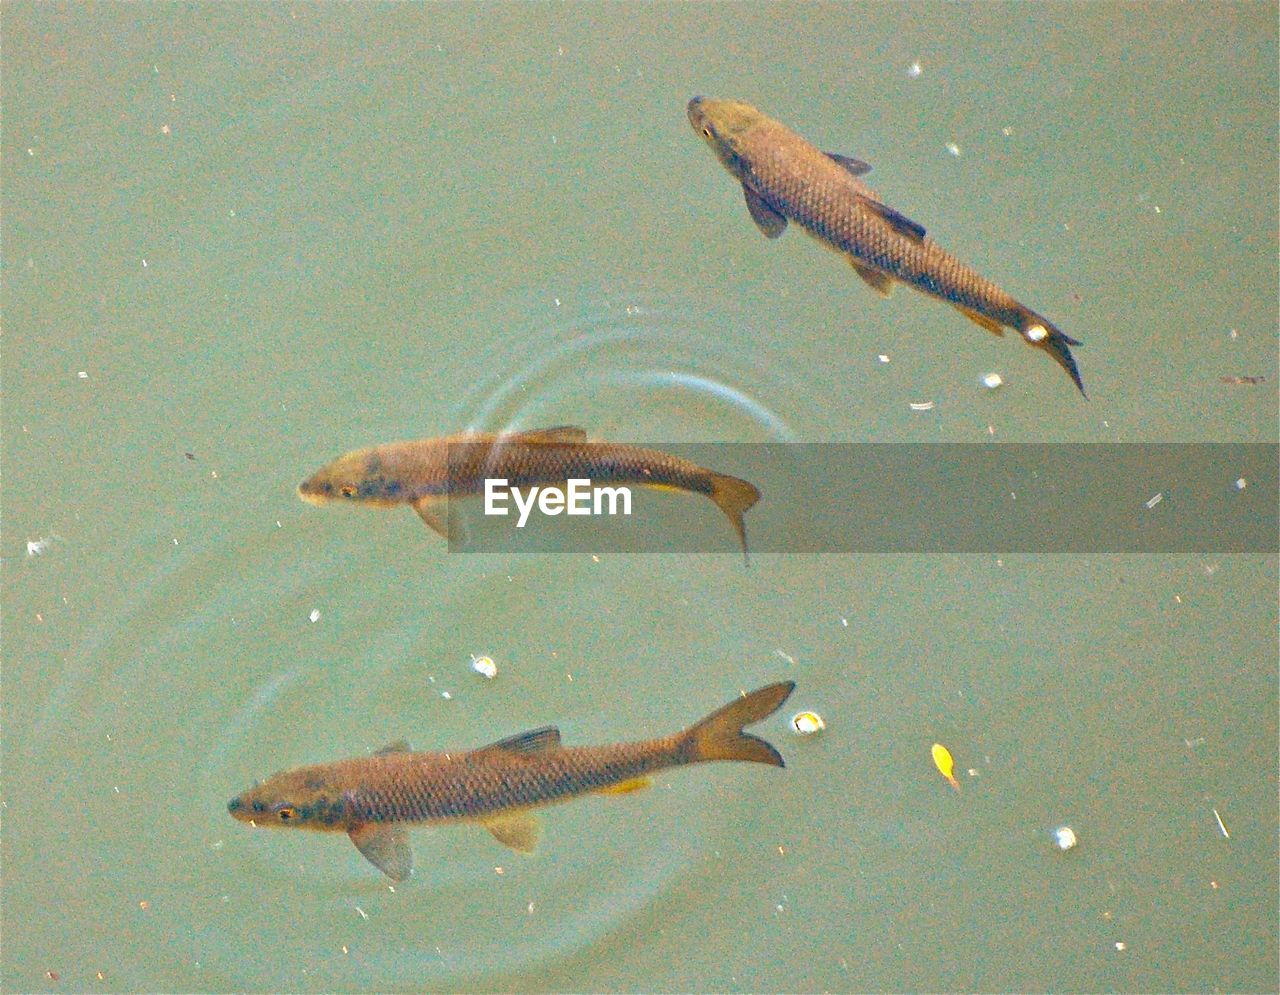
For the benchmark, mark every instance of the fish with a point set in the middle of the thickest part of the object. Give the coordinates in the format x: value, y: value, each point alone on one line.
x: 375, y: 799
x: 425, y: 473
x: 785, y: 178
x: 946, y: 764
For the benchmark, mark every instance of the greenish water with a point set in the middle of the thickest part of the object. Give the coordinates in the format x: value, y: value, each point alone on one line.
x: 240, y: 239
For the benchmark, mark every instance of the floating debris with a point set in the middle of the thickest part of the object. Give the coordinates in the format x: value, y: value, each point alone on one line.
x: 953, y: 148
x: 1155, y: 500
x: 992, y: 380
x: 946, y: 764
x: 484, y: 666
x: 1241, y: 483
x: 1243, y: 380
x: 315, y: 615
x: 1065, y: 838
x: 1121, y: 946
x: 39, y: 547
x: 921, y: 405
x: 914, y: 71
x: 807, y: 723
x: 1222, y: 827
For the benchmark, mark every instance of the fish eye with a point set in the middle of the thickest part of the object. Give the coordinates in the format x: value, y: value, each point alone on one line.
x: 286, y: 813
x: 348, y: 490
x: 706, y: 132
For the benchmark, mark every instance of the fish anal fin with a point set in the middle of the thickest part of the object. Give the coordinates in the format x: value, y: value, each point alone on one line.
x: 766, y: 218
x: 399, y: 746
x: 990, y: 324
x: 557, y: 433
x: 898, y: 222
x: 520, y: 830
x: 533, y: 741
x: 878, y: 280
x: 855, y: 166
x: 386, y: 846
x: 626, y: 787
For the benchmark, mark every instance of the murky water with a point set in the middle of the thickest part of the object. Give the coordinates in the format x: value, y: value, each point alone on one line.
x: 241, y: 240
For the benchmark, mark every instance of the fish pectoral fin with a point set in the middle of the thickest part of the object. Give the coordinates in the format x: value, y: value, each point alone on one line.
x: 557, y: 433
x: 766, y: 218
x: 878, y: 280
x: 533, y: 741
x: 399, y: 746
x: 626, y: 787
x: 855, y: 166
x: 520, y: 831
x: 990, y: 324
x: 434, y: 511
x: 386, y: 847
x: 898, y: 222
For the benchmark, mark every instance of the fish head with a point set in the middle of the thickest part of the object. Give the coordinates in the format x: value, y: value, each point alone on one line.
x: 359, y: 476
x: 293, y: 799
x: 722, y: 124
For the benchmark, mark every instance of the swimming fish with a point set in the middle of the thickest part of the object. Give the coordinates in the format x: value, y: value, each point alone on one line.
x: 426, y: 472
x: 374, y: 799
x: 785, y: 178
x: 946, y: 765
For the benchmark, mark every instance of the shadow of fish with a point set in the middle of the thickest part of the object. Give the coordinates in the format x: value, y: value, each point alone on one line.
x: 785, y: 178
x: 373, y: 799
x: 425, y: 473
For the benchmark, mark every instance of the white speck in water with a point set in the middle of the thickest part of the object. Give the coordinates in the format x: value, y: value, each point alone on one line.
x: 446, y: 695
x: 844, y: 622
x: 1065, y: 838
x: 1241, y: 483
x: 83, y: 374
x: 557, y: 300
x: 1221, y: 825
x: 1036, y: 333
x: 1121, y: 946
x: 1235, y: 334
x: 785, y: 656
x: 807, y: 723
x: 363, y: 913
x: 992, y: 380
x: 1154, y: 500
x: 484, y: 666
x: 144, y: 264
x: 883, y: 358
x: 921, y: 405
x: 315, y: 615
x: 1007, y: 132
x: 914, y: 70
x: 953, y: 148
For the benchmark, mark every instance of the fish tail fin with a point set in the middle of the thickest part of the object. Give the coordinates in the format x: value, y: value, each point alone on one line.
x: 735, y: 497
x: 720, y: 737
x: 1041, y: 332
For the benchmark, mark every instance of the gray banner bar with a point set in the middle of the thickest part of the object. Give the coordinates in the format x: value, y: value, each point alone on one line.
x: 930, y: 498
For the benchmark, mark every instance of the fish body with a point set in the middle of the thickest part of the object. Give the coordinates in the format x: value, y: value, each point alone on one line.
x: 785, y: 178
x: 374, y: 799
x: 425, y: 473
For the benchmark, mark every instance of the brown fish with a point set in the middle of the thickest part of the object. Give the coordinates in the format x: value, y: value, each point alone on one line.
x: 373, y: 799
x: 425, y: 473
x: 785, y: 178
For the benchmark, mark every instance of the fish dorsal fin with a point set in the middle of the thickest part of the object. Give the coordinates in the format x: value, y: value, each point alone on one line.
x: 533, y: 741
x: 766, y: 218
x: 898, y: 222
x: 518, y: 830
x: 855, y: 166
x: 557, y: 433
x: 878, y: 280
x: 399, y: 746
x: 386, y: 847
